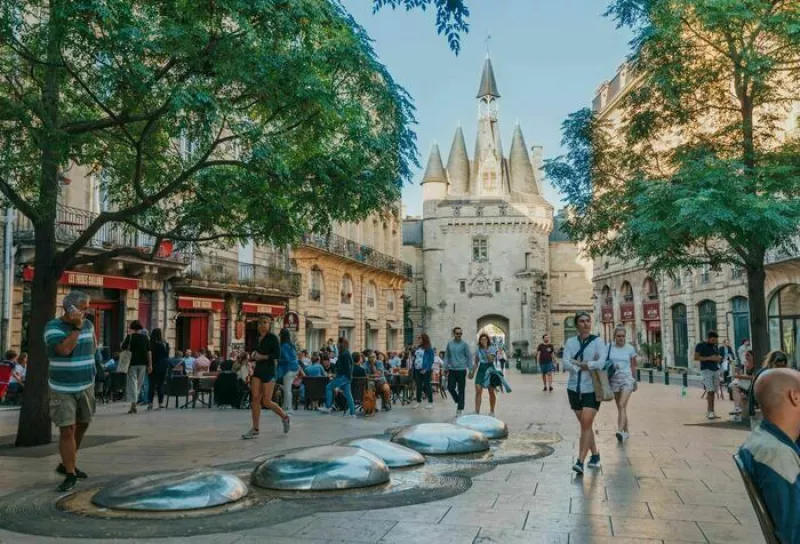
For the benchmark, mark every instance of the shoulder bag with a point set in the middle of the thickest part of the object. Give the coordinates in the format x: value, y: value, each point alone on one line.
x: 600, y: 380
x: 124, y: 356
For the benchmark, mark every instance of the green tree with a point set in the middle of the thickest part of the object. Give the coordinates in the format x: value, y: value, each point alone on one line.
x: 451, y: 16
x: 699, y: 168
x: 293, y: 124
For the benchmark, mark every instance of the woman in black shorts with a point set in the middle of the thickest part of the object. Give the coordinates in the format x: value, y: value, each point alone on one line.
x: 262, y: 382
x: 582, y: 354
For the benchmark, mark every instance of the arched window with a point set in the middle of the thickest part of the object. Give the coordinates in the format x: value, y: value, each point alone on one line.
x: 315, y: 284
x: 707, y: 315
x: 347, y: 290
x: 740, y: 312
x: 372, y: 294
x: 627, y: 292
x: 606, y: 297
x: 569, y: 328
x: 784, y: 322
x: 650, y: 289
x: 680, y: 335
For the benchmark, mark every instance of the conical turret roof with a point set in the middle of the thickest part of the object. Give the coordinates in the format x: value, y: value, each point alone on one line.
x: 434, y: 172
x: 522, y: 177
x: 488, y: 86
x: 458, y: 164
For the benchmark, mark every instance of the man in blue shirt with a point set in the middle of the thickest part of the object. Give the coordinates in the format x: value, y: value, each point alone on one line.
x: 771, y: 455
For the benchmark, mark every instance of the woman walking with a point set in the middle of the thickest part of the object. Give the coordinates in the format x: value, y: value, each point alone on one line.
x: 262, y: 382
x: 423, y: 368
x: 138, y: 344
x: 622, y: 383
x: 288, y: 367
x: 582, y: 354
x: 160, y: 356
x: 484, y: 358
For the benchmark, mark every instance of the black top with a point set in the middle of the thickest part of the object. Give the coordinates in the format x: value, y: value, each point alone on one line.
x: 139, y: 346
x: 704, y: 349
x: 344, y: 364
x: 545, y: 353
x: 359, y: 371
x: 160, y: 356
x: 270, y: 346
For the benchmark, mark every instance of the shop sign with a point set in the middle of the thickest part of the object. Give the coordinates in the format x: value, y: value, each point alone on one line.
x: 607, y: 314
x: 627, y: 311
x: 291, y: 321
x: 197, y: 303
x: 268, y: 309
x: 651, y: 311
x: 85, y: 279
x: 654, y: 325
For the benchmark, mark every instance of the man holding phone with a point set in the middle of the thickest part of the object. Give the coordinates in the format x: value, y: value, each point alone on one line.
x: 71, y: 345
x: 707, y: 354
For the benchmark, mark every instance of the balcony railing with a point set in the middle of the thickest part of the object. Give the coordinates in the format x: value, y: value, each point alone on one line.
x: 338, y: 245
x: 72, y: 222
x: 220, y: 271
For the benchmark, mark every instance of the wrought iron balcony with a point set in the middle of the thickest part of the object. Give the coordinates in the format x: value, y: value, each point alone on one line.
x: 72, y: 222
x: 338, y: 245
x: 219, y: 271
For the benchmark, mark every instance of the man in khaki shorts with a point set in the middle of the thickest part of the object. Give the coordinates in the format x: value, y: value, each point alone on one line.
x: 70, y: 349
x: 707, y: 354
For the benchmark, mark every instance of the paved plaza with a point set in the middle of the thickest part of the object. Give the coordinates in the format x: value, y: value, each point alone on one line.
x: 673, y: 481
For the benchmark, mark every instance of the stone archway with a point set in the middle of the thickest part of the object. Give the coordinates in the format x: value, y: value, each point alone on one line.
x: 497, y: 327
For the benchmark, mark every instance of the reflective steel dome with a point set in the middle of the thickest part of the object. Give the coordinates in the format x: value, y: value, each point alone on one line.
x: 168, y: 491
x: 322, y: 468
x: 488, y: 425
x: 394, y: 455
x: 442, y: 439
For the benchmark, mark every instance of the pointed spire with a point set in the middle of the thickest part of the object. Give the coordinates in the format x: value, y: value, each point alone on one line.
x: 458, y: 164
x: 522, y: 177
x: 434, y: 172
x: 488, y: 86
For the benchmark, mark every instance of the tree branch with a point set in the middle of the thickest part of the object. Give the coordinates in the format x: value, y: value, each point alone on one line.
x: 17, y: 201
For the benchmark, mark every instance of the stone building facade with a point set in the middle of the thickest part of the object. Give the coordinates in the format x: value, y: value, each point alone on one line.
x: 665, y: 317
x: 482, y: 250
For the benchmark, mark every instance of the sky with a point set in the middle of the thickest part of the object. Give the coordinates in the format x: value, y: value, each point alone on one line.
x: 549, y: 57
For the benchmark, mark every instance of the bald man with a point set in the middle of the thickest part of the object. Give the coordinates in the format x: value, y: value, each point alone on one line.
x: 771, y: 455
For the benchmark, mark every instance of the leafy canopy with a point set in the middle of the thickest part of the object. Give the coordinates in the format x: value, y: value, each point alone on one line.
x: 695, y: 165
x: 202, y: 120
x: 451, y: 16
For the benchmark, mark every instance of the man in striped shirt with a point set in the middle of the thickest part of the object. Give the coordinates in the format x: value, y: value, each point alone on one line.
x: 70, y: 348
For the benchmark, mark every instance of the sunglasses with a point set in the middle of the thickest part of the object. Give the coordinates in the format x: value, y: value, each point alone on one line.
x: 459, y: 334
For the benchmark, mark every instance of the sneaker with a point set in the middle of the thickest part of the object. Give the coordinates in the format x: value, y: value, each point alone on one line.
x: 620, y: 436
x: 68, y: 484
x: 737, y: 418
x: 491, y: 414
x: 81, y: 475
x: 578, y: 467
x: 459, y: 413
x: 416, y: 405
x: 736, y: 410
x: 324, y: 410
x: 350, y: 416
x: 551, y: 388
x: 545, y: 388
x: 429, y: 406
x: 250, y: 435
x: 711, y: 415
x: 594, y: 461
x: 287, y: 423
x: 625, y: 436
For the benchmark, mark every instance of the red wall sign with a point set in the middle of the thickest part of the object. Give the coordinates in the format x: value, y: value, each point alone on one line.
x: 607, y: 314
x: 291, y: 321
x: 86, y: 279
x: 651, y: 311
x: 654, y: 325
x: 627, y: 311
x: 197, y: 303
x: 269, y: 309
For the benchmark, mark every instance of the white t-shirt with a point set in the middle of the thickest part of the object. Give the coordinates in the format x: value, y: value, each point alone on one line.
x: 418, y: 355
x: 437, y: 363
x: 621, y: 357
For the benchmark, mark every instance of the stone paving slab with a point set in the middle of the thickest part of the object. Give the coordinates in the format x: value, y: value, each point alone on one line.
x: 669, y: 483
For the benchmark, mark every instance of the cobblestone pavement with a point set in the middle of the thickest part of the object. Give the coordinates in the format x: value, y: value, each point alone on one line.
x: 673, y: 481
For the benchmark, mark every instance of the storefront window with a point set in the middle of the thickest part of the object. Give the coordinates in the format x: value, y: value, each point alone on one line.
x: 784, y: 322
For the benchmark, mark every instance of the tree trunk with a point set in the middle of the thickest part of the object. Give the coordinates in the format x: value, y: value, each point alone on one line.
x: 759, y: 331
x: 34, y: 419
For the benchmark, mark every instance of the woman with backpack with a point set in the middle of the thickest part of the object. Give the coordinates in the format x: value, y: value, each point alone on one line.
x: 582, y: 354
x: 160, y: 356
x: 622, y: 383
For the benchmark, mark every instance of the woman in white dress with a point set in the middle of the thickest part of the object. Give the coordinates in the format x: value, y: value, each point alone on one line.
x: 623, y: 382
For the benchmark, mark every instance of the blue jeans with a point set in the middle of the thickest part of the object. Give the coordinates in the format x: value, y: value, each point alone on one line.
x: 343, y: 383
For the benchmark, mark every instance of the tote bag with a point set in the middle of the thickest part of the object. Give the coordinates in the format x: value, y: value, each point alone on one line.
x: 124, y: 357
x: 602, y: 389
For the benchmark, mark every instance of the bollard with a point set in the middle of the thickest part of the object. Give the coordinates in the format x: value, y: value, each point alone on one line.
x: 666, y: 377
x: 651, y: 375
x: 686, y: 379
x: 638, y: 374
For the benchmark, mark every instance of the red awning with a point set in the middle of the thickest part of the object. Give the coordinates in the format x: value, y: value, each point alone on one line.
x: 255, y: 308
x: 86, y: 279
x: 199, y: 303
